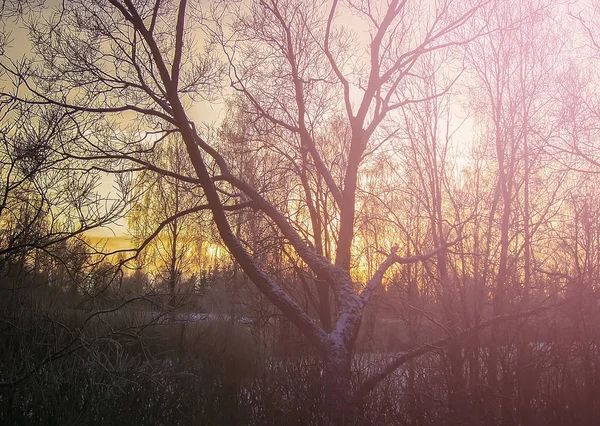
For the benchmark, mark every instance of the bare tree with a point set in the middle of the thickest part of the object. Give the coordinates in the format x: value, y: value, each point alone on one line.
x: 516, y: 68
x: 161, y: 199
x: 129, y: 73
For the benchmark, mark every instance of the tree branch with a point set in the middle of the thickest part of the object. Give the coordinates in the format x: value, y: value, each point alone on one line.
x: 392, y: 259
x: 370, y: 383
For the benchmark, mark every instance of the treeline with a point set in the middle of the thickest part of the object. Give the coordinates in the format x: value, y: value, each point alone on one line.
x: 220, y: 355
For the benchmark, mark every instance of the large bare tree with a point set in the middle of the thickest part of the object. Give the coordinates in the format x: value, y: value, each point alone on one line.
x: 320, y: 85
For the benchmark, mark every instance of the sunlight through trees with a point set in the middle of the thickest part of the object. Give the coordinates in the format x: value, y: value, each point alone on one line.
x: 396, y: 211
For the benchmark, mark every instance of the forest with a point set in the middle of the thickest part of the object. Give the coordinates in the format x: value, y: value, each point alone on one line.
x: 300, y: 212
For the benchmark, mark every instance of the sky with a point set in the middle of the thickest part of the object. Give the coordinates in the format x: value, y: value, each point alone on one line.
x: 202, y: 113
x: 205, y: 113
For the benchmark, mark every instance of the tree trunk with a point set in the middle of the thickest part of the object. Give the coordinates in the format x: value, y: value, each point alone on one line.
x: 339, y: 407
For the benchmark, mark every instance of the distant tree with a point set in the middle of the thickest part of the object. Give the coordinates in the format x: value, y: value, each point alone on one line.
x: 164, y: 219
x: 515, y: 69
